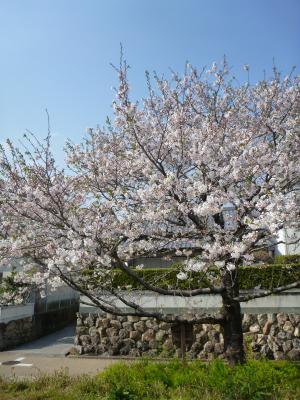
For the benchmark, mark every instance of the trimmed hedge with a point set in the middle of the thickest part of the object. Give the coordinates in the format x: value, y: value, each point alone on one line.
x: 263, y: 276
x: 290, y: 259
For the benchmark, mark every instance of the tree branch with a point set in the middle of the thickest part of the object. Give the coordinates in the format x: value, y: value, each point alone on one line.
x: 169, y: 292
x: 265, y: 293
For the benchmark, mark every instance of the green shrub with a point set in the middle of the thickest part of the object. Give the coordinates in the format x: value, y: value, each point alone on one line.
x: 289, y: 259
x: 265, y: 276
x: 253, y: 381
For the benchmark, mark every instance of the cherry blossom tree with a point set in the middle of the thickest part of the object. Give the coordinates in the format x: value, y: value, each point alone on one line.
x: 156, y: 180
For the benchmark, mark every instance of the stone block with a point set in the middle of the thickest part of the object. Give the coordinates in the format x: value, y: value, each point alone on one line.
x: 95, y: 339
x: 114, y: 350
x: 262, y: 319
x: 142, y: 345
x: 168, y: 345
x: 218, y: 348
x: 165, y: 326
x: 79, y: 321
x: 134, y: 353
x: 124, y: 333
x: 288, y: 327
x: 282, y: 335
x: 294, y: 355
x: 202, y: 337
x: 152, y: 324
x: 101, y: 348
x: 274, y: 345
x: 281, y: 318
x: 121, y: 318
x: 105, y: 341
x: 295, y: 319
x: 124, y: 351
x: 153, y: 344
x: 90, y: 320
x: 84, y: 340
x: 208, y: 347
x: 127, y: 325
x: 274, y: 330
x: 272, y: 318
x: 76, y: 340
x: 161, y: 335
x: 135, y: 335
x: 248, y: 320
x: 102, y: 332
x: 221, y: 338
x: 296, y: 344
x: 114, y: 323
x: 93, y: 331
x: 106, y: 322
x: 139, y: 326
x: 82, y: 330
x: 112, y: 331
x: 266, y: 351
x: 114, y: 340
x: 148, y: 335
x: 260, y: 338
x: 196, y: 348
x: 151, y: 353
x: 279, y: 355
x: 214, y: 335
x: 267, y: 328
x: 133, y: 318
x: 287, y: 346
x: 255, y: 328
x: 128, y: 342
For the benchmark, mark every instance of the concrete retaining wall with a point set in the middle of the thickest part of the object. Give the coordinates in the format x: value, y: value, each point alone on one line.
x: 11, y: 313
x: 287, y: 302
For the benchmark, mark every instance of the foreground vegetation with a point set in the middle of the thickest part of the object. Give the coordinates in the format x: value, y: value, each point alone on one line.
x: 256, y: 380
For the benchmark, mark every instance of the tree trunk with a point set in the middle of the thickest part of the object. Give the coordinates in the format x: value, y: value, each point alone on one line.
x: 232, y: 325
x: 233, y: 333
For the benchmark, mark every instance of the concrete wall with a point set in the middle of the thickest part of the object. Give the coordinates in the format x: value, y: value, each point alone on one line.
x: 11, y: 313
x: 288, y: 302
x: 288, y: 236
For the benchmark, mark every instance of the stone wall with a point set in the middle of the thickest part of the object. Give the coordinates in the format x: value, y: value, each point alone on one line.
x: 24, y: 330
x: 275, y: 336
x: 15, y: 332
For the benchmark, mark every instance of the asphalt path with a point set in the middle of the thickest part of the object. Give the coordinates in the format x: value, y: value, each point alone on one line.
x: 47, y: 355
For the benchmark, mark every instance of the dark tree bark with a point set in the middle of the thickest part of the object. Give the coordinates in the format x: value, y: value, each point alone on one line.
x: 233, y: 333
x: 232, y: 325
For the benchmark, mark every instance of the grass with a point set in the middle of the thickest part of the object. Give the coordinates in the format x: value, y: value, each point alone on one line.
x: 142, y: 380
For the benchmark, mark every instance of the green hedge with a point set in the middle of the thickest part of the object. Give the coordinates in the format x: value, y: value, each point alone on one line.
x: 265, y: 276
x: 290, y: 259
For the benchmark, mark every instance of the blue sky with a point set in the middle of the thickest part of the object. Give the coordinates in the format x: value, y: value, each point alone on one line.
x: 56, y: 54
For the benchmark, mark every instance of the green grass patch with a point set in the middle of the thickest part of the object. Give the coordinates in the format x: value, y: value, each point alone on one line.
x: 174, y: 380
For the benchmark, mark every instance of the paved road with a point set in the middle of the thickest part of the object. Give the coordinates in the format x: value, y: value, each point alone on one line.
x: 54, y: 345
x: 46, y: 355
